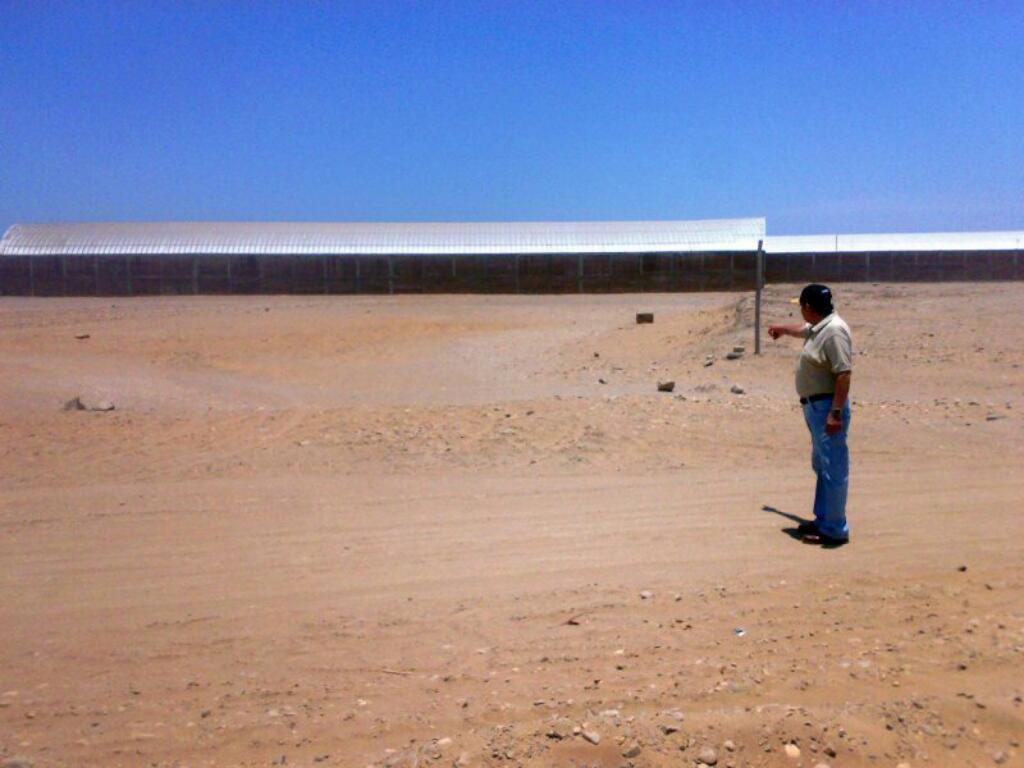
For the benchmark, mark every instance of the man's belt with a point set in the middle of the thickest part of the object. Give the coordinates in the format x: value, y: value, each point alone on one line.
x: 816, y: 398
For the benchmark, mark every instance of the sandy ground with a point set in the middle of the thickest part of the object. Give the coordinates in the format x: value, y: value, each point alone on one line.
x: 468, y: 531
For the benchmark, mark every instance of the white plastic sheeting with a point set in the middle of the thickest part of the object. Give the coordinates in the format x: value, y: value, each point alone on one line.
x: 880, y: 243
x: 286, y: 238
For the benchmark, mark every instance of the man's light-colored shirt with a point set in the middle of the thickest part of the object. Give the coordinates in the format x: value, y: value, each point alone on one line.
x: 827, y: 352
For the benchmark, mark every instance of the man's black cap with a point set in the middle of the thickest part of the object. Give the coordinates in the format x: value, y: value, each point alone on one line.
x: 818, y: 297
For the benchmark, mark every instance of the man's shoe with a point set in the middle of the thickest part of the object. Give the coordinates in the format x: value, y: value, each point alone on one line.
x: 826, y: 542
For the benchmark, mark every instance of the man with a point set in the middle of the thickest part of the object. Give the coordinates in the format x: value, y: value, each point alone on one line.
x: 823, y: 384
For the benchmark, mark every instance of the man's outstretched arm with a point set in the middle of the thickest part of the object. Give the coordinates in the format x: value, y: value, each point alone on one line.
x: 797, y: 330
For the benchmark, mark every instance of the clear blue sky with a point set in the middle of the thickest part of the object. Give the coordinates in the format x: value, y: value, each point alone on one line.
x: 824, y: 117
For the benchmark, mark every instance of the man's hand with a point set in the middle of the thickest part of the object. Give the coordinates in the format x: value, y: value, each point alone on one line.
x: 833, y: 426
x: 796, y: 331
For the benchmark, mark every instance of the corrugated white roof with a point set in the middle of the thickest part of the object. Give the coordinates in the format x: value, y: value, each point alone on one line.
x: 381, y: 238
x: 917, y: 241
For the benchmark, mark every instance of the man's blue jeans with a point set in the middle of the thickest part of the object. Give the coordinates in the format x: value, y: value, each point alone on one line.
x: 830, y: 459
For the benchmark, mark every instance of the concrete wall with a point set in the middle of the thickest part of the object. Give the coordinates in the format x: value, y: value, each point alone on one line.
x: 108, y: 275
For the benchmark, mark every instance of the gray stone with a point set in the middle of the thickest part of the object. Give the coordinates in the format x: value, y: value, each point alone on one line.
x: 432, y: 752
x: 666, y: 386
x: 560, y: 729
x: 736, y: 389
x: 708, y: 756
x: 592, y: 736
x: 80, y: 404
x: 633, y: 750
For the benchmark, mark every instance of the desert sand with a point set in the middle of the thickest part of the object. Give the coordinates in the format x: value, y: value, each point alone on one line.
x: 469, y: 531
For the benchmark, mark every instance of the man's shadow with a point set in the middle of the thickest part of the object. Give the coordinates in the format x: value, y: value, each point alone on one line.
x: 802, y: 528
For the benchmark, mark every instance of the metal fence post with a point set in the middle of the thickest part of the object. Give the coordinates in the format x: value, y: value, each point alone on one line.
x: 758, y: 285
